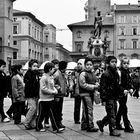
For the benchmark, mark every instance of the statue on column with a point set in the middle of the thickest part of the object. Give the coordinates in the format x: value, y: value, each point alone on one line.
x: 98, y: 24
x: 95, y: 44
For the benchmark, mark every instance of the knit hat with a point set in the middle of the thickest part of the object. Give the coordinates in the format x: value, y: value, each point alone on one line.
x: 81, y: 61
x: 109, y: 58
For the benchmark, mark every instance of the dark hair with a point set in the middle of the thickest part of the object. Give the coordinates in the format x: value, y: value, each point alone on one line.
x: 88, y: 59
x: 31, y: 62
x: 48, y: 66
x: 15, y: 69
x: 62, y: 65
x: 55, y: 61
x: 109, y: 58
x: 2, y: 62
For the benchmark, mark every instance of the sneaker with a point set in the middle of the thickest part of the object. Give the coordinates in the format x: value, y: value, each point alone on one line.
x: 41, y: 130
x: 47, y: 125
x: 100, y: 125
x: 28, y: 127
x: 92, y: 129
x: 59, y: 130
x: 61, y: 125
x: 129, y: 130
x: 5, y: 120
x: 115, y: 133
x: 119, y: 127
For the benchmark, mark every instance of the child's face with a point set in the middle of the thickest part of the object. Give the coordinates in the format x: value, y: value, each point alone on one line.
x: 89, y: 66
x: 2, y: 68
x: 79, y: 66
x: 125, y: 64
x: 52, y: 71
x: 56, y: 66
x: 113, y: 63
x: 34, y: 66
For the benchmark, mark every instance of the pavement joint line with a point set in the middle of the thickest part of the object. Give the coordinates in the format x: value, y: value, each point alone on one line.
x: 6, y: 135
x: 82, y: 133
x: 27, y: 131
x: 58, y: 135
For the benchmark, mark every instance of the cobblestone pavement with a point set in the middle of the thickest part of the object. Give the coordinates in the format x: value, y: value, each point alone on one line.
x: 9, y: 131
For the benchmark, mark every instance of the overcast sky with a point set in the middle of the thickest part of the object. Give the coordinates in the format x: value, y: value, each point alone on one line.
x: 60, y: 13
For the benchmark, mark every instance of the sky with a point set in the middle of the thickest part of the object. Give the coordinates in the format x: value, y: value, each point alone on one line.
x: 60, y: 13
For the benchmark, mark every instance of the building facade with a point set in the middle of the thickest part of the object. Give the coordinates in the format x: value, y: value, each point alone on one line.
x: 121, y: 27
x: 6, y: 35
x: 49, y: 41
x: 27, y: 37
x: 62, y: 54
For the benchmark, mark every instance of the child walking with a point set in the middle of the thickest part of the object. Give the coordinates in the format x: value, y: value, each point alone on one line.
x: 88, y: 85
x: 46, y: 101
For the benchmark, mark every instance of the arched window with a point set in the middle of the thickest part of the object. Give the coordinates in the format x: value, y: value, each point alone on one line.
x: 121, y: 55
x: 134, y: 56
x: 79, y: 34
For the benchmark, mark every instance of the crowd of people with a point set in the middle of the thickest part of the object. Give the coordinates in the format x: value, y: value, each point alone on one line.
x: 39, y: 95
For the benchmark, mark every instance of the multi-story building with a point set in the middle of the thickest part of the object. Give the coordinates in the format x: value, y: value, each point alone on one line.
x: 121, y: 27
x: 49, y: 41
x: 127, y: 30
x: 6, y: 36
x: 27, y: 37
x: 62, y: 54
x: 33, y: 39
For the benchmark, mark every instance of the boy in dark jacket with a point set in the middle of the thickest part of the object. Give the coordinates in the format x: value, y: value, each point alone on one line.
x: 3, y: 90
x: 31, y: 80
x: 109, y: 91
x: 87, y: 85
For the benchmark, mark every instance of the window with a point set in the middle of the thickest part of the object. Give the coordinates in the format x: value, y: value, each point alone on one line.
x: 122, y: 31
x: 134, y: 31
x: 106, y: 33
x: 29, y: 30
x: 122, y: 44
x: 46, y: 38
x: 0, y: 41
x: 14, y: 55
x: 29, y: 53
x: 9, y: 40
x: 14, y: 42
x: 134, y: 19
x: 122, y: 19
x: 15, y: 29
x: 14, y: 19
x: 134, y: 56
x: 9, y: 12
x: 134, y: 44
x: 79, y: 34
x: 79, y: 48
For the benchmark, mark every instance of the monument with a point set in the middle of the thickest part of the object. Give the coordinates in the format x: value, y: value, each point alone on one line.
x: 97, y: 47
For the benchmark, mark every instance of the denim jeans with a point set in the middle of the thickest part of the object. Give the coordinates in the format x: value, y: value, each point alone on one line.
x: 87, y: 115
x: 32, y: 112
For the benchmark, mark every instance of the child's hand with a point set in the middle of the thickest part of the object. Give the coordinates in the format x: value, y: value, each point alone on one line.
x: 96, y: 85
x: 55, y: 91
x: 126, y: 92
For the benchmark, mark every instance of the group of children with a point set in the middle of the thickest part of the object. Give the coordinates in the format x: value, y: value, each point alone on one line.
x: 45, y: 95
x: 114, y: 85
